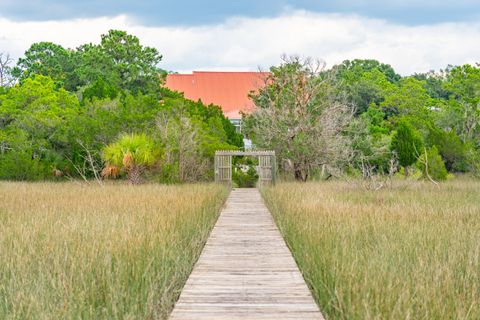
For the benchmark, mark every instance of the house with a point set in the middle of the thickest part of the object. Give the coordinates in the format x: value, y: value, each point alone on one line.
x: 229, y: 90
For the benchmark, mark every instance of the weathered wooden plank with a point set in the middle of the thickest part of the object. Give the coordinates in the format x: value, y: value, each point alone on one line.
x: 245, y: 270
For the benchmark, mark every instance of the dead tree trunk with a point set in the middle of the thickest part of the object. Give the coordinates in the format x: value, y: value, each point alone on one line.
x: 300, y: 172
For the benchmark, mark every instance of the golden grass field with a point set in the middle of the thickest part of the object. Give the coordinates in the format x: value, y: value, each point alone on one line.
x: 72, y: 251
x: 409, y: 252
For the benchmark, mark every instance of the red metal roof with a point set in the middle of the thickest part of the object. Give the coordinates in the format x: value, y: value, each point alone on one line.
x: 229, y: 90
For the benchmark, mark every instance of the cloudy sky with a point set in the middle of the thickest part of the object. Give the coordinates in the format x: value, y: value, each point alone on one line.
x: 411, y: 35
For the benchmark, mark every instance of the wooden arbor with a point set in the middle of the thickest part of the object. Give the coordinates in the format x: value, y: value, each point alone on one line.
x: 266, y: 168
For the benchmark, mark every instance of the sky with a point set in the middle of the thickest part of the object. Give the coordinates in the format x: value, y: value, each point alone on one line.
x: 412, y: 36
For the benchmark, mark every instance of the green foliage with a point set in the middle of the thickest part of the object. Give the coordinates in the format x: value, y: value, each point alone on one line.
x: 100, y: 89
x: 353, y: 70
x: 406, y: 143
x: 121, y: 62
x: 49, y: 59
x: 365, y: 82
x: 118, y: 63
x: 432, y: 165
x: 132, y: 153
x: 189, y: 144
x: 131, y: 149
x: 434, y: 84
x: 369, y: 89
x: 246, y: 179
x: 464, y: 104
x: 473, y: 162
x: 371, y: 147
x: 36, y: 128
x: 375, y: 119
x: 450, y: 147
x: 244, y: 174
x: 18, y: 160
x: 408, y: 98
x: 44, y: 128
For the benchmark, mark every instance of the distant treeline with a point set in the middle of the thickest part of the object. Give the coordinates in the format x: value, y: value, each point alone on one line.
x: 61, y: 109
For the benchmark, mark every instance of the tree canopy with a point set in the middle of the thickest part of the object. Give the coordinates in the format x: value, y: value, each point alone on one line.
x: 68, y: 104
x: 394, y: 116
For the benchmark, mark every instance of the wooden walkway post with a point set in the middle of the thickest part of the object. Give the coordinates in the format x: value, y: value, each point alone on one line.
x: 245, y: 270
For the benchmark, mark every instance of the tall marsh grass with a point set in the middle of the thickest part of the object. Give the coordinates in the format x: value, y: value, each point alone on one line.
x: 69, y: 251
x: 411, y: 252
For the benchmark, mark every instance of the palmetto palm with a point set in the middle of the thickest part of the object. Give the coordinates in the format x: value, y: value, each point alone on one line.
x: 133, y: 153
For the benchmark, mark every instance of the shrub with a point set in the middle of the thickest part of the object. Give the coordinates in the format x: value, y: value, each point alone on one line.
x: 451, y: 148
x: 407, y: 143
x: 431, y: 164
x: 244, y: 174
x: 19, y: 165
x: 473, y: 161
x: 246, y: 179
x: 133, y: 153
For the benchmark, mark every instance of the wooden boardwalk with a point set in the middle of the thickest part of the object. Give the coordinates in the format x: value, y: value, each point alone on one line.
x: 245, y: 270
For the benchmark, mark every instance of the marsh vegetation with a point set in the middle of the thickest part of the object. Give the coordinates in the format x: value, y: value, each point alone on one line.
x: 71, y: 251
x: 408, y: 252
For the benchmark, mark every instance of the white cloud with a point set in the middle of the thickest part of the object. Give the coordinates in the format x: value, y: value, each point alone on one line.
x: 248, y: 43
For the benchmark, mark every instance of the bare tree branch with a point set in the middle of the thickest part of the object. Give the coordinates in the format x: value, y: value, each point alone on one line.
x: 5, y: 70
x: 300, y: 116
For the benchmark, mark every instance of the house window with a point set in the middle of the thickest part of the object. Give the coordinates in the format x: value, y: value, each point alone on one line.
x: 238, y: 124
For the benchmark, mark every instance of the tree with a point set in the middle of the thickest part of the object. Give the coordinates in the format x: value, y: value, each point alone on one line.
x: 49, y: 59
x: 184, y: 160
x: 434, y: 83
x: 365, y: 82
x: 100, y: 89
x: 407, y: 144
x: 120, y: 61
x: 432, y: 165
x: 409, y: 98
x: 6, y: 78
x: 189, y: 143
x: 450, y: 147
x: 117, y: 64
x: 463, y: 107
x: 36, y: 120
x: 19, y: 159
x: 132, y: 153
x: 299, y: 117
x: 370, y: 90
x: 352, y: 70
x: 370, y: 147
